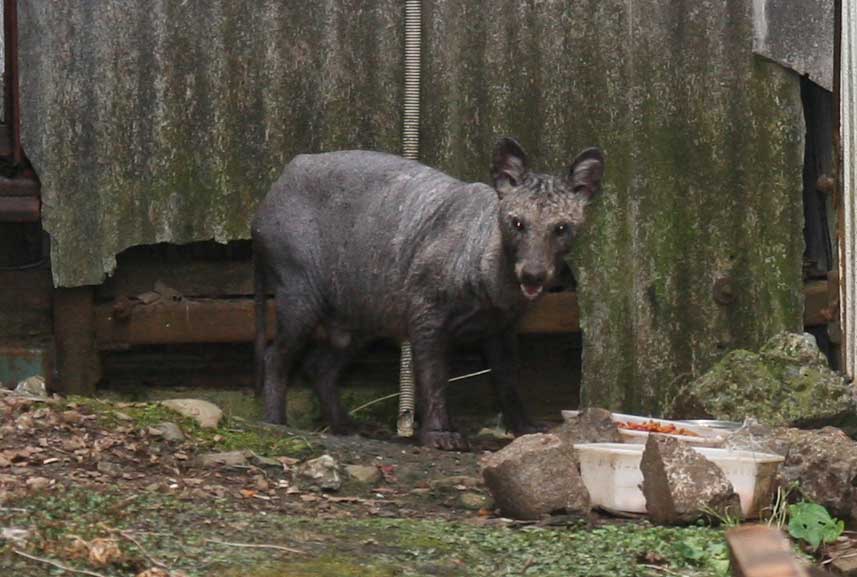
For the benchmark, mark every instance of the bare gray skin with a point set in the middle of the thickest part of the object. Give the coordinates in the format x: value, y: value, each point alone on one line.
x: 358, y: 245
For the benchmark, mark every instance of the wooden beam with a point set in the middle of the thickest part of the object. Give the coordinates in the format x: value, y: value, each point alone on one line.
x: 762, y: 551
x: 227, y: 320
x: 232, y: 321
x: 78, y: 363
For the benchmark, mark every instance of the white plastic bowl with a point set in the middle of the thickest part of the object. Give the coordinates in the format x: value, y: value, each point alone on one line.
x: 611, y: 474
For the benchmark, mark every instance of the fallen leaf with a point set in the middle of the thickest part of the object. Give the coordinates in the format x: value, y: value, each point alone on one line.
x: 103, y: 552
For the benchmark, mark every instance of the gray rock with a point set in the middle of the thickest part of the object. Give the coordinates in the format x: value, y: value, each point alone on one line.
x: 363, y: 473
x: 319, y: 474
x: 534, y: 476
x: 109, y: 468
x: 227, y: 458
x: 823, y: 463
x: 592, y: 425
x: 168, y: 431
x: 33, y: 386
x: 680, y: 485
x: 787, y: 382
x: 207, y: 414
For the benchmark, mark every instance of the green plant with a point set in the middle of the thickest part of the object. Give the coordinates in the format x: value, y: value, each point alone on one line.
x: 812, y: 523
x: 779, y: 511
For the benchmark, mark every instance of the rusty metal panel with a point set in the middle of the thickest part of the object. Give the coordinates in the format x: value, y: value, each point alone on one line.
x: 166, y: 120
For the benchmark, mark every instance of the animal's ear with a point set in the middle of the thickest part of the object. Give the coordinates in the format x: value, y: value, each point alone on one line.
x: 510, y: 165
x: 586, y: 172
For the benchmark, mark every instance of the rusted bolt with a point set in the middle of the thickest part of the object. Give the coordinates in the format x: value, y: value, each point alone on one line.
x: 724, y: 291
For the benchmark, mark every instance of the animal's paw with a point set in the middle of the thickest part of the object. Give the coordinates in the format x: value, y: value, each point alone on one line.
x: 444, y: 440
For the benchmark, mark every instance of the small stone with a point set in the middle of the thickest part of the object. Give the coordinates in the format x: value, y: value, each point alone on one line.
x: 109, y: 468
x: 320, y: 474
x: 169, y: 431
x: 15, y: 535
x: 33, y: 386
x: 680, y: 485
x: 473, y: 501
x: 534, y: 476
x: 38, y: 483
x: 363, y: 473
x: 207, y: 414
x: 227, y: 459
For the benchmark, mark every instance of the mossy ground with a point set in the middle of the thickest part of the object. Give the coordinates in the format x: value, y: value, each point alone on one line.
x: 161, y: 509
x: 186, y: 536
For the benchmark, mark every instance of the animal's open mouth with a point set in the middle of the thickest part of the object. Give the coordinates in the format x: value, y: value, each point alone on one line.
x: 531, y: 291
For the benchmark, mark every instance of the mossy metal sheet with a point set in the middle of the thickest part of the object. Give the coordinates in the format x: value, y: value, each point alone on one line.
x: 704, y: 147
x: 166, y: 121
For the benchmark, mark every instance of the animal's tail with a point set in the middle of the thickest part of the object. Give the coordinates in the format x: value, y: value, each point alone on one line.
x: 261, y: 313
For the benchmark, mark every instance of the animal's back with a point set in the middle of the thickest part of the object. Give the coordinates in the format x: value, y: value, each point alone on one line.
x: 372, y: 230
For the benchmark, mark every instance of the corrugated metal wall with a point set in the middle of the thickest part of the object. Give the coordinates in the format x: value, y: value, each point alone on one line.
x: 167, y: 120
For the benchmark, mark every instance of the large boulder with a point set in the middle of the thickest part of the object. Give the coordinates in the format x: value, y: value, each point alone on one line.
x: 534, y: 476
x: 787, y: 382
x: 823, y: 463
x: 680, y: 485
x: 205, y: 413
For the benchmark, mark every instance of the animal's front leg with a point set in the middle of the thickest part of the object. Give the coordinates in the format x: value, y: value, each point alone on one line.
x: 501, y: 355
x: 430, y: 348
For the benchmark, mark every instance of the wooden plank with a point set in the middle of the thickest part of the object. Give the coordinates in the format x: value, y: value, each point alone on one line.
x: 78, y: 362
x: 762, y: 551
x: 187, y: 321
x: 231, y: 320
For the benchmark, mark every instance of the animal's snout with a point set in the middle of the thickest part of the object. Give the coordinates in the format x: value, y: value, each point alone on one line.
x: 533, y: 281
x: 533, y: 277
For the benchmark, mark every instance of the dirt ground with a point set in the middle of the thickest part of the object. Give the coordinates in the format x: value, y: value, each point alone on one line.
x: 90, y: 485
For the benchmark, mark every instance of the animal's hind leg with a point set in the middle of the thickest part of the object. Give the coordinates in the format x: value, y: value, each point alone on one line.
x: 323, y: 365
x: 297, y: 315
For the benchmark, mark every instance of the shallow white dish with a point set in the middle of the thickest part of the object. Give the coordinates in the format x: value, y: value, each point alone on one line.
x: 611, y: 474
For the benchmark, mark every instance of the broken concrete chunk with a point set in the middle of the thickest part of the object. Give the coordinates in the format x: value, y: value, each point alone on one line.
x: 207, y: 414
x: 320, y: 474
x: 534, y: 476
x: 680, y: 485
x: 592, y: 425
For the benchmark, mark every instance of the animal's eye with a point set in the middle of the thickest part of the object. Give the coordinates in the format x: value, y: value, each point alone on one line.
x: 517, y: 223
x: 561, y: 229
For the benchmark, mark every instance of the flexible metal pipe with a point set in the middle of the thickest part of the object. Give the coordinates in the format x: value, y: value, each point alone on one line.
x: 410, y: 149
x: 848, y: 240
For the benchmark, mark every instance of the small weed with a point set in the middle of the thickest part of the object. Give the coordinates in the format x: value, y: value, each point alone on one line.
x: 811, y: 523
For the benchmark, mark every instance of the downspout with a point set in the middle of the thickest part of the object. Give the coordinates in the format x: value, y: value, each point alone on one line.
x: 411, y: 150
